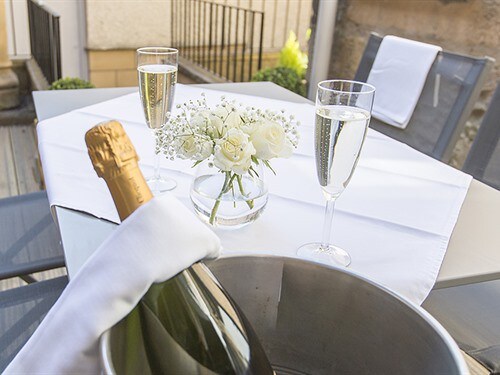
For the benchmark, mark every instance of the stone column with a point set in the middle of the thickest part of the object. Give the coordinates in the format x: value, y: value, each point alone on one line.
x: 9, y: 83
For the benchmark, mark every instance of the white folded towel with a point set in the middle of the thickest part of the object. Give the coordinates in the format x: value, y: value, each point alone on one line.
x: 399, y: 73
x: 156, y: 242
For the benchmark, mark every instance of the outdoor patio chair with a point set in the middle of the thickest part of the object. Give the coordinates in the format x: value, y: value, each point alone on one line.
x: 471, y: 314
x: 452, y: 87
x: 29, y: 239
x: 483, y: 160
x: 21, y: 311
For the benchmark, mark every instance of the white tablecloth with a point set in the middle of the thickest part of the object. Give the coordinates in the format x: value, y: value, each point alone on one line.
x: 395, y: 218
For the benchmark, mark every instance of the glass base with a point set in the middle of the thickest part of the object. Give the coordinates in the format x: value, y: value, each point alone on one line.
x: 161, y: 185
x: 330, y: 254
x: 241, y: 204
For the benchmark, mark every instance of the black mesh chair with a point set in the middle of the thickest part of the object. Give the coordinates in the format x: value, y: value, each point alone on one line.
x: 21, y: 311
x: 452, y: 87
x: 483, y: 160
x: 29, y: 239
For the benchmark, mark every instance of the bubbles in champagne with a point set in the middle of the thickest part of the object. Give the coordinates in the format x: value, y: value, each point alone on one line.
x: 156, y: 86
x: 339, y: 135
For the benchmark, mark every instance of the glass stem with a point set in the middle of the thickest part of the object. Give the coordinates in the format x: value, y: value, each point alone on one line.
x: 156, y: 172
x: 327, y: 226
x: 157, y: 167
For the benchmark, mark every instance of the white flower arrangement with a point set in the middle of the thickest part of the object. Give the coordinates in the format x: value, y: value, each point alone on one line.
x: 230, y: 137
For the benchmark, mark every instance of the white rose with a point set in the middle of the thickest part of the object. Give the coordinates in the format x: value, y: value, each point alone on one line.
x: 192, y: 147
x: 187, y: 146
x: 199, y: 121
x: 229, y: 118
x: 234, y: 152
x: 250, y: 127
x: 207, y: 123
x: 206, y: 149
x: 233, y: 120
x: 270, y: 141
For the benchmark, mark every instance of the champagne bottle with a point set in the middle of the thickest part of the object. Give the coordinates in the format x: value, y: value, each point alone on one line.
x: 188, y: 324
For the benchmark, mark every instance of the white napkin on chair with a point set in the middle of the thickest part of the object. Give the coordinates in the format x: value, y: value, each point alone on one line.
x: 399, y: 73
x: 156, y: 242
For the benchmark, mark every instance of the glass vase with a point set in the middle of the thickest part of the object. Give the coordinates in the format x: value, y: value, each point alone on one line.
x: 228, y: 200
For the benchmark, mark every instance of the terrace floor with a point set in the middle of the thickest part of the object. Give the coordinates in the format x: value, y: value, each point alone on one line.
x: 19, y: 172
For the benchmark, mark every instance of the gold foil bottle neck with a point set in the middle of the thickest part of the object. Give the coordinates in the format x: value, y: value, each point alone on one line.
x: 116, y: 161
x: 110, y: 149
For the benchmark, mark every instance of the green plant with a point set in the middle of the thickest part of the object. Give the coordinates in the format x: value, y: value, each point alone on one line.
x: 70, y: 83
x: 292, y: 57
x: 282, y: 76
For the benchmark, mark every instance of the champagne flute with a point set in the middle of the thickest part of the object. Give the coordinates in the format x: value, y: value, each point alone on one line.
x: 343, y: 111
x: 157, y: 69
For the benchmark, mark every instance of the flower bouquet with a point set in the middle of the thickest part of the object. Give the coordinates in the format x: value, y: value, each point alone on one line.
x: 235, y: 142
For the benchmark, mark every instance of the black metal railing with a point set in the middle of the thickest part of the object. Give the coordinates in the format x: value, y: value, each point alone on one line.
x: 45, y: 40
x: 224, y: 40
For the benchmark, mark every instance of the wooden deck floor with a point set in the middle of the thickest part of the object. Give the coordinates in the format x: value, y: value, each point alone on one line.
x: 19, y: 172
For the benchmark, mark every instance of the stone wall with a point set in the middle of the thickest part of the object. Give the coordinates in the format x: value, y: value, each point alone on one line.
x: 470, y: 27
x: 131, y: 24
x: 115, y: 31
x: 137, y: 23
x: 113, y: 68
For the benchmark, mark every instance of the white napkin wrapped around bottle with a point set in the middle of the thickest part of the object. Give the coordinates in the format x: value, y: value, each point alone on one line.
x: 399, y: 73
x: 156, y: 242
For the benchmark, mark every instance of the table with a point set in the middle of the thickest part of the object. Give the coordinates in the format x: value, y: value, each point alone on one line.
x: 472, y: 255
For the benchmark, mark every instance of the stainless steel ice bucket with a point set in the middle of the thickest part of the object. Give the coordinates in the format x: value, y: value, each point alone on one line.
x: 313, y: 319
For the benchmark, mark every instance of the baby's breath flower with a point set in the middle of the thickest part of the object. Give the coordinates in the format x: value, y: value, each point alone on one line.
x: 233, y: 135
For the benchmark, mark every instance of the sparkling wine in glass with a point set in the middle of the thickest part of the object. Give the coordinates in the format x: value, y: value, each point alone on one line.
x: 343, y: 110
x: 157, y: 69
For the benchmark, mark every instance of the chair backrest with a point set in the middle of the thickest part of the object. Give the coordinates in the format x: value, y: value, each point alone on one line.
x: 483, y: 160
x: 452, y: 87
x: 22, y: 309
x: 29, y: 239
